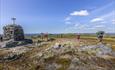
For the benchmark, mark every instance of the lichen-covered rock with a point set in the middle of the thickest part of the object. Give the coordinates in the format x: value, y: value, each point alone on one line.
x: 13, y: 31
x: 10, y: 57
x: 12, y: 43
x: 14, y: 36
x: 66, y: 57
x: 49, y: 55
x: 99, y: 49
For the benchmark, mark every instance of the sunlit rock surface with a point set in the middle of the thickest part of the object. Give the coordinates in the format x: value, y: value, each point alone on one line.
x: 62, y: 57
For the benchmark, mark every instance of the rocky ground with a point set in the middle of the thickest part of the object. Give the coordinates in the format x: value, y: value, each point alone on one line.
x: 11, y: 43
x: 58, y: 56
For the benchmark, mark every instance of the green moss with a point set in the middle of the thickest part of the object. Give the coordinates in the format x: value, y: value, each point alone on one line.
x: 49, y: 59
x: 1, y: 66
x: 62, y: 68
x: 65, y: 62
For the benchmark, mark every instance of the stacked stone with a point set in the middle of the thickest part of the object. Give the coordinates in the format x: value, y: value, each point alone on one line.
x: 1, y: 38
x: 14, y: 32
x: 13, y: 36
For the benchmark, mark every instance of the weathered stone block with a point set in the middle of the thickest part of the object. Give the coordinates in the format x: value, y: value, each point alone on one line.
x: 13, y: 31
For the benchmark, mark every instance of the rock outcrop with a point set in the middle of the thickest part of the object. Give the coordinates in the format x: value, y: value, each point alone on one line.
x: 13, y: 36
x: 13, y: 31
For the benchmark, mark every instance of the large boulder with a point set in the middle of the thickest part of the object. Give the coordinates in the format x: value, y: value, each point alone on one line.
x: 99, y: 49
x: 18, y: 43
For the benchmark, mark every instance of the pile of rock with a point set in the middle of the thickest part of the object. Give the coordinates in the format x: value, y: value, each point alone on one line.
x: 13, y: 31
x: 13, y: 36
x: 68, y: 57
x: 12, y: 43
x: 13, y: 53
x: 18, y: 43
x: 99, y: 49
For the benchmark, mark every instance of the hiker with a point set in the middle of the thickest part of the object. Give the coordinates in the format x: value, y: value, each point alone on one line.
x: 100, y: 35
x: 78, y: 36
x: 46, y: 36
x: 1, y: 38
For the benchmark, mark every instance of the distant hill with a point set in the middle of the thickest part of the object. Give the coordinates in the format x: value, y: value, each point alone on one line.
x: 34, y: 34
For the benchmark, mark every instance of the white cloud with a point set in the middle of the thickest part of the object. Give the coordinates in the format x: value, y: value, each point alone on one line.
x: 80, y: 26
x: 67, y: 22
x: 76, y: 25
x: 97, y: 20
x: 103, y: 22
x: 99, y: 26
x: 75, y: 13
x: 80, y: 13
x: 113, y: 21
x: 67, y: 18
x: 91, y: 28
x: 103, y: 8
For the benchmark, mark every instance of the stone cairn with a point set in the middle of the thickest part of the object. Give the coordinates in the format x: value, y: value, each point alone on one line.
x: 14, y: 34
x: 13, y: 31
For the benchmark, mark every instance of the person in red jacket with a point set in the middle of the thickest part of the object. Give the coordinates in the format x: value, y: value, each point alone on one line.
x: 78, y: 37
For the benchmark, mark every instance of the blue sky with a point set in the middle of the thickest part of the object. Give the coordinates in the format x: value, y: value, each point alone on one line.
x: 59, y: 16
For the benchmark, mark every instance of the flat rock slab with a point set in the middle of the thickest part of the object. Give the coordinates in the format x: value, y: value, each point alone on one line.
x: 11, y: 43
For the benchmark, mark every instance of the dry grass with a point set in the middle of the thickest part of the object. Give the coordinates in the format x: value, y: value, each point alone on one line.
x: 88, y: 41
x: 28, y: 63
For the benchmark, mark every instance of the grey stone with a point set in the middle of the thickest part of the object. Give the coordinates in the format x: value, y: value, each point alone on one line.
x: 13, y: 31
x: 13, y: 36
